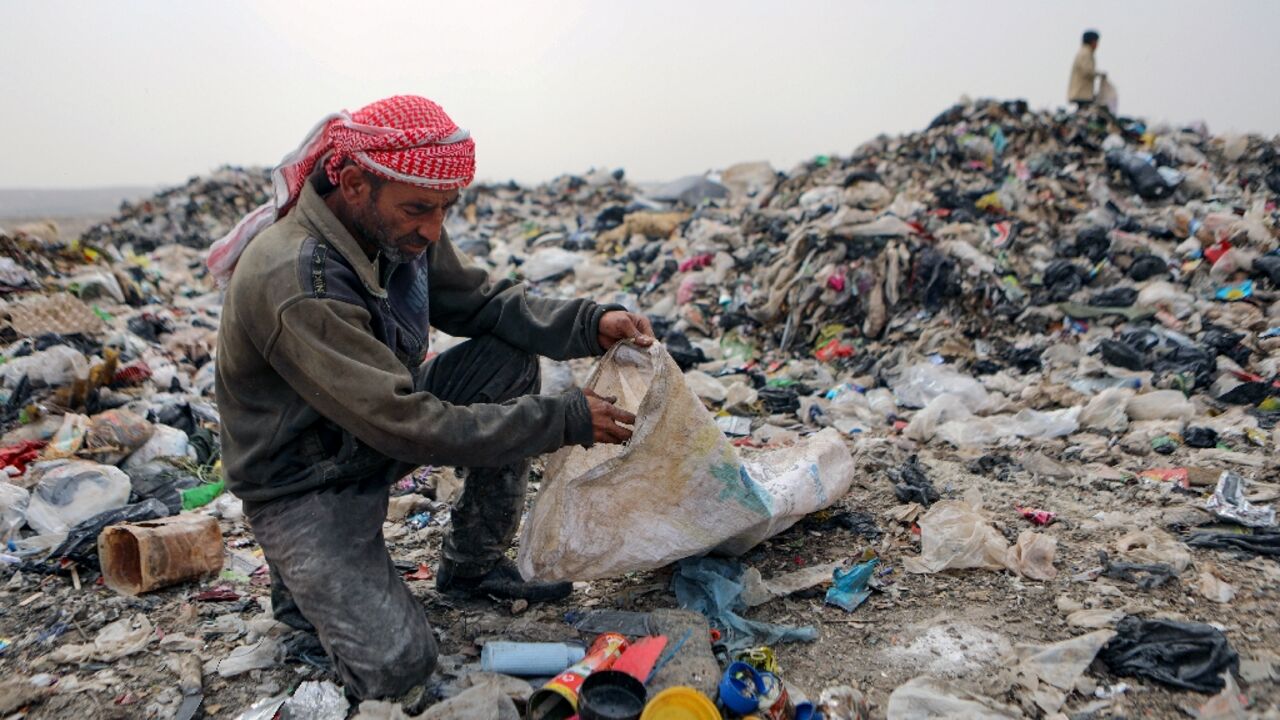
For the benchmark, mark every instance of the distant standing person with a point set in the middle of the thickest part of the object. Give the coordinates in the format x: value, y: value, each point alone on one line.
x: 1082, y: 90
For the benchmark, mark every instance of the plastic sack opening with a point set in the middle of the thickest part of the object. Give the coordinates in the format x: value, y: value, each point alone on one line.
x: 677, y: 489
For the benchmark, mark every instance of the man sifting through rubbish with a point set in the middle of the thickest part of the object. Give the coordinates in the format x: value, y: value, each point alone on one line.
x: 1081, y: 90
x: 325, y: 399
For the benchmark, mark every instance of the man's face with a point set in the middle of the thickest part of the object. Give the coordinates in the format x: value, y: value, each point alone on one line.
x: 402, y: 219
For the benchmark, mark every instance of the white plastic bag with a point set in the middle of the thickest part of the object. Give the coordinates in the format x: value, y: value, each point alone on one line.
x: 13, y: 509
x: 75, y: 491
x: 1107, y: 95
x: 677, y: 489
x: 923, y: 382
x: 548, y: 262
x: 165, y: 442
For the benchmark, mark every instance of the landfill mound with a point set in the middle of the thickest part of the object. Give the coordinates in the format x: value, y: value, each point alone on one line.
x: 1052, y: 341
x: 194, y: 214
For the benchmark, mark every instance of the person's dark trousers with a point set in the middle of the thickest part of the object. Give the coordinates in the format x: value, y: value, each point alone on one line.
x: 330, y: 569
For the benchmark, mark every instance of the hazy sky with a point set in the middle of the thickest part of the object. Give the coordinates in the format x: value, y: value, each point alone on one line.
x: 144, y: 92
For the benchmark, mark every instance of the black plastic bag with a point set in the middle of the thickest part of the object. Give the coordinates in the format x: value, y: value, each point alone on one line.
x: 1121, y: 355
x: 779, y: 400
x: 1200, y: 437
x: 912, y: 485
x: 1254, y: 542
x: 1062, y: 279
x: 1269, y: 265
x: 1188, y: 360
x: 1118, y: 297
x: 1145, y: 267
x: 1191, y: 656
x: 683, y: 351
x: 1143, y: 177
x: 162, y: 481
x: 1093, y: 243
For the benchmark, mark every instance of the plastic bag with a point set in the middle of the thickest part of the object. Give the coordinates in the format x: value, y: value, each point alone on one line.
x: 162, y: 481
x: 75, y: 491
x: 68, y: 438
x: 955, y: 536
x: 1154, y: 546
x: 1026, y: 423
x: 1186, y: 655
x: 677, y: 489
x: 114, y: 435
x: 56, y: 366
x: 166, y: 442
x: 942, y: 409
x: 926, y: 698
x: 546, y: 263
x: 923, y: 382
x: 13, y: 510
x: 1032, y: 556
x: 1107, y: 96
x: 119, y: 639
x: 1106, y: 411
x: 1160, y: 405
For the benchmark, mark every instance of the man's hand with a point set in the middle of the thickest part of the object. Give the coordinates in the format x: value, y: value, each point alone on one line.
x: 617, y: 325
x: 605, y: 417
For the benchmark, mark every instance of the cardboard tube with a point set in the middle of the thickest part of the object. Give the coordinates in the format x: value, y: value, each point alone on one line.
x: 137, y: 557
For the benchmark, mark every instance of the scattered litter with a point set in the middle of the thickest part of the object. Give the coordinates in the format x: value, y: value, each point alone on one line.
x: 1185, y: 655
x: 1228, y: 502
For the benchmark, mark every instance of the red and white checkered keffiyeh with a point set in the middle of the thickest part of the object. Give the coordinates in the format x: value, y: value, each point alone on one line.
x: 405, y: 138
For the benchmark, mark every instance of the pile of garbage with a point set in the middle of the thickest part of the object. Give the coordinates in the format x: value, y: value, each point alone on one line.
x: 1051, y: 342
x: 205, y: 207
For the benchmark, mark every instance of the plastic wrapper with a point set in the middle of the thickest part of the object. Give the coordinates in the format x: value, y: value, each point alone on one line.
x: 316, y: 700
x: 1228, y: 502
x: 595, y: 516
x: 75, y: 491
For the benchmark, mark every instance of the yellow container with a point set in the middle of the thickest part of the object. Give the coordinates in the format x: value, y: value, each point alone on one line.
x: 680, y: 703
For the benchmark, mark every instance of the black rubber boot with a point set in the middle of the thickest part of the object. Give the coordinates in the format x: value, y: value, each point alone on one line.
x: 503, y: 581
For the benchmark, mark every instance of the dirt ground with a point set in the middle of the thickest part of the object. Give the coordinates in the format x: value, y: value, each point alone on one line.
x: 956, y: 625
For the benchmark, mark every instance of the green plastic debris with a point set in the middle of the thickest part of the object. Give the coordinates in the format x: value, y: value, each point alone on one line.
x: 202, y: 495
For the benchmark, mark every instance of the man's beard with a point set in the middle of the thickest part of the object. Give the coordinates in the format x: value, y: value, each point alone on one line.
x: 373, y: 229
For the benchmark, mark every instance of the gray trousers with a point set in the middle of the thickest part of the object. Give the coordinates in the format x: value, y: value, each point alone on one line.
x: 330, y: 569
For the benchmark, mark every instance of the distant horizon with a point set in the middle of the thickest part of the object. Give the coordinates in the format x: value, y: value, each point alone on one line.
x: 481, y: 180
x: 147, y: 93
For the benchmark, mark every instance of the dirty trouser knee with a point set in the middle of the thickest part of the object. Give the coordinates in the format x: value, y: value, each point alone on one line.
x: 326, y: 550
x: 485, y: 517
